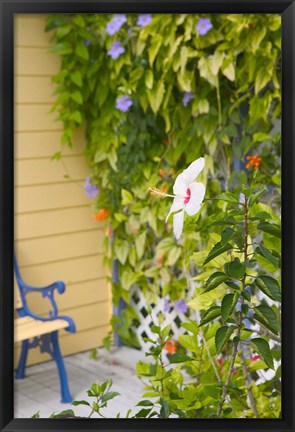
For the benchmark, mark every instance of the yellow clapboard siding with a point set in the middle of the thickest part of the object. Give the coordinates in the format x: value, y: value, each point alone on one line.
x: 45, y: 143
x: 69, y: 343
x: 94, y: 291
x: 41, y: 171
x: 69, y: 271
x: 53, y: 222
x: 60, y: 247
x: 34, y: 89
x: 48, y: 197
x: 55, y: 236
x: 26, y: 29
x: 35, y: 118
x: 26, y: 328
x: 35, y: 62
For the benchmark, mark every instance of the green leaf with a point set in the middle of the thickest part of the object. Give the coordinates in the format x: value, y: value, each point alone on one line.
x: 149, y: 79
x: 267, y: 316
x: 76, y: 78
x: 139, y: 244
x: 218, y: 249
x: 143, y: 413
x: 128, y: 279
x: 189, y: 342
x: 255, y: 197
x: 164, y: 411
x: 109, y: 395
x: 204, y: 66
x: 214, y: 281
x: 227, y: 305
x: 179, y: 358
x: 154, y: 48
x: 235, y: 269
x: 262, y: 78
x: 77, y: 97
x: 191, y: 326
x: 127, y: 197
x: 81, y: 402
x: 156, y: 95
x: 270, y: 228
x: 82, y: 51
x: 269, y: 286
x: 229, y: 72
x: 121, y: 251
x: 113, y: 158
x: 210, y: 315
x: 62, y: 48
x: 145, y: 402
x: 173, y: 255
x: 261, y: 345
x: 262, y: 250
x: 228, y: 197
x: 213, y: 391
x: 76, y: 116
x: 222, y: 336
x: 261, y: 136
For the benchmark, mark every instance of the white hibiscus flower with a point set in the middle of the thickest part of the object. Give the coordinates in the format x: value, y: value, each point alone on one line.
x: 188, y: 195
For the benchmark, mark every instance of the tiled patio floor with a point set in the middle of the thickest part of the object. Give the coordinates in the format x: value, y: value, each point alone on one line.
x: 40, y: 390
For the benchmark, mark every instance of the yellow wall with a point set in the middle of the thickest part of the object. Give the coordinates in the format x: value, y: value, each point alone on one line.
x: 55, y: 236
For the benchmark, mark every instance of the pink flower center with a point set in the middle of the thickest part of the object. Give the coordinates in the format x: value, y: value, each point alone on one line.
x: 188, y: 196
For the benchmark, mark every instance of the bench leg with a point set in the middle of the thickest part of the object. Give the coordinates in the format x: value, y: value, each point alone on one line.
x: 20, y: 371
x: 65, y: 392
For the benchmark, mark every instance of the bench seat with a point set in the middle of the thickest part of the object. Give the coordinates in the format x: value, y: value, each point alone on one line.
x: 27, y: 327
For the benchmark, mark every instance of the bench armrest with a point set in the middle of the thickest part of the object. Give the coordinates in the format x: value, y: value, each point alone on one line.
x: 47, y: 292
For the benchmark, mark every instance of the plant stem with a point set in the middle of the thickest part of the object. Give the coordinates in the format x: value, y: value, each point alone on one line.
x: 229, y: 373
x: 209, y: 356
x: 239, y: 319
x: 249, y: 391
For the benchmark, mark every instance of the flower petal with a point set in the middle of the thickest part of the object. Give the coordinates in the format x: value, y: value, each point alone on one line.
x: 197, y: 195
x: 178, y: 224
x: 178, y: 204
x: 180, y: 186
x: 190, y: 174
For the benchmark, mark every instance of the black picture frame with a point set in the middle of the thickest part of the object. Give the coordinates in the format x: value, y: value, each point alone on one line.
x: 8, y: 8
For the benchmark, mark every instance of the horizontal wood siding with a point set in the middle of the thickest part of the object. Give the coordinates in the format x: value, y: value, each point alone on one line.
x: 55, y: 235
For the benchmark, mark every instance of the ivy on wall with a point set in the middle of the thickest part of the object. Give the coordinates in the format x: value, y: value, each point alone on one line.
x: 155, y: 93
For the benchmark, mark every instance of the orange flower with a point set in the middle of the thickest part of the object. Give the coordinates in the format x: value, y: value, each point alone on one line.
x: 101, y: 215
x: 164, y: 188
x: 170, y: 346
x: 162, y: 172
x: 254, y: 160
x: 172, y: 170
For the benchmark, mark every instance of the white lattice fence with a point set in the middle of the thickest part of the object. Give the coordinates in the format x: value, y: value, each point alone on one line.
x: 155, y: 314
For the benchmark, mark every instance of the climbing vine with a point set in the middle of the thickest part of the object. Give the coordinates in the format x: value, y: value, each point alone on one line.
x: 155, y: 93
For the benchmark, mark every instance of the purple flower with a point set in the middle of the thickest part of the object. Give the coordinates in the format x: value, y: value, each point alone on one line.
x: 116, y: 50
x: 124, y: 103
x: 115, y: 25
x: 90, y: 189
x: 87, y: 42
x: 242, y: 198
x: 204, y: 25
x: 187, y: 97
x: 167, y: 306
x: 181, y: 306
x: 144, y: 20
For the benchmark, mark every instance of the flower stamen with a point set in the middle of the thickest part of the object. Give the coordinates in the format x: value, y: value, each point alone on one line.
x: 156, y: 192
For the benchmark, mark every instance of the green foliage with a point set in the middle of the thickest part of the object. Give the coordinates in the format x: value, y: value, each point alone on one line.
x: 230, y: 251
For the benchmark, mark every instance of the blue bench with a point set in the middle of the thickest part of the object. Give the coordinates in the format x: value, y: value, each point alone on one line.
x: 34, y: 331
